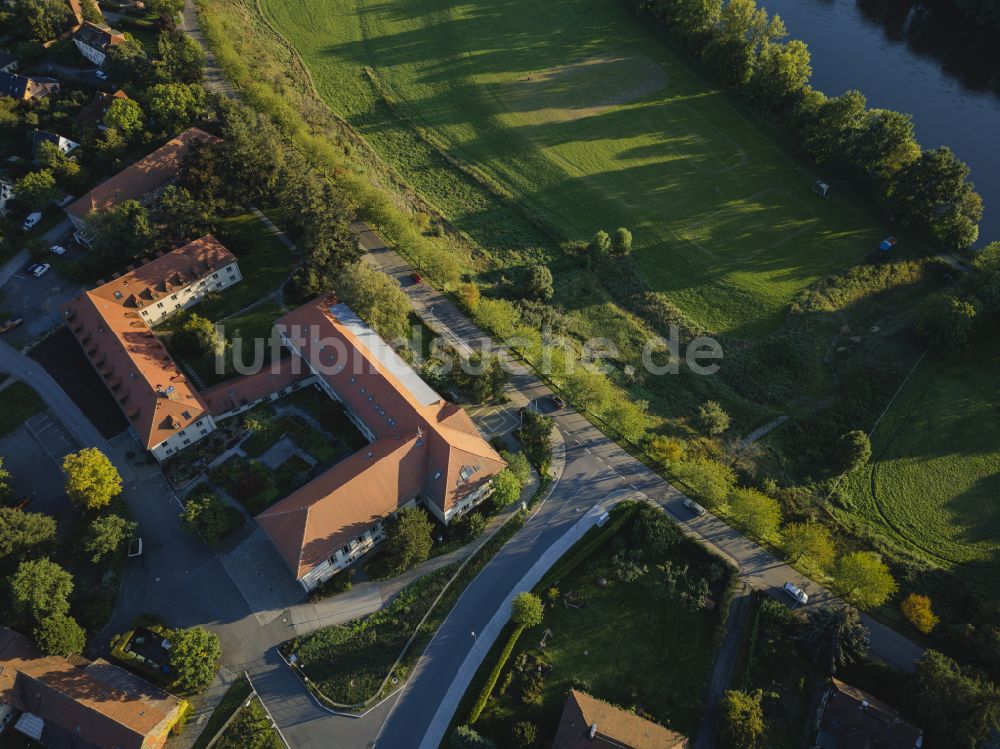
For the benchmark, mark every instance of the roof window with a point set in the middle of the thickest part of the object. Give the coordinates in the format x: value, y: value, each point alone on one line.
x: 118, y: 295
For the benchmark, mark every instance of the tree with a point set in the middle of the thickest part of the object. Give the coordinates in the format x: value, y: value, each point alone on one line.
x: 917, y: 609
x: 91, y: 12
x: 198, y: 336
x: 835, y: 637
x: 106, y: 535
x: 180, y: 58
x: 63, y: 167
x: 468, y: 295
x: 831, y: 126
x: 408, y: 538
x: 743, y: 719
x: 165, y: 7
x: 182, y: 216
x: 40, y: 588
x: 36, y: 189
x: 932, y: 194
x: 780, y: 75
x: 536, y: 437
x: 517, y: 463
x: 755, y: 512
x: 375, y: 298
x: 689, y: 20
x: 4, y: 482
x: 853, y: 450
x: 946, y: 320
x: 621, y: 242
x: 43, y: 19
x: 483, y: 376
x: 59, y: 634
x: 539, y: 285
x: 665, y: 450
x: 127, y: 62
x: 194, y: 658
x: 885, y: 143
x: 653, y: 533
x: 121, y: 234
x: 208, y: 516
x: 91, y: 479
x: 24, y: 534
x: 958, y: 705
x: 253, y: 151
x: 524, y: 734
x: 175, y: 106
x: 125, y: 116
x: 466, y: 737
x: 599, y: 247
x: 710, y: 480
x: 811, y: 541
x: 865, y: 579
x: 713, y: 418
x: 527, y: 610
x: 506, y: 488
x: 471, y: 526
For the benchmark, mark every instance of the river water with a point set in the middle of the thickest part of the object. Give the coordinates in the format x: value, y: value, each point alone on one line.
x: 916, y: 59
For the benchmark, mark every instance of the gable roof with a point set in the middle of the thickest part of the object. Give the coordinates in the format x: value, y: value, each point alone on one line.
x: 99, y: 36
x: 154, y: 394
x: 142, y: 177
x: 448, y: 458
x: 97, y: 701
x: 65, y: 145
x: 244, y: 389
x: 854, y: 718
x: 611, y: 726
x: 25, y: 86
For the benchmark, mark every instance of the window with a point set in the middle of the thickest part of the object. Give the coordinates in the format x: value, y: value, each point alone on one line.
x: 218, y: 285
x: 437, y: 475
x: 182, y: 432
x: 204, y: 432
x: 169, y: 450
x: 158, y: 305
x: 232, y: 270
x: 187, y: 442
x: 345, y: 551
x: 215, y: 275
x: 467, y: 472
x: 186, y: 414
x: 118, y: 295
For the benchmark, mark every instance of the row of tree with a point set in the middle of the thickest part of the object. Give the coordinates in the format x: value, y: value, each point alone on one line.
x: 745, y: 48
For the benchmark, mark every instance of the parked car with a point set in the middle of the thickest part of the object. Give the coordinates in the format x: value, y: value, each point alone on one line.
x: 557, y: 401
x: 101, y: 74
x: 41, y: 270
x: 135, y: 547
x: 32, y: 220
x: 696, y: 508
x: 10, y: 324
x: 795, y: 592
x: 57, y: 249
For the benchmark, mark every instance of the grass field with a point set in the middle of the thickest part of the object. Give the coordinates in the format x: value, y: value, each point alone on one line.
x: 936, y: 473
x: 589, y: 121
x: 18, y: 403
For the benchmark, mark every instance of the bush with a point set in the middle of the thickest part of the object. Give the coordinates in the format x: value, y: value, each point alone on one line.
x: 408, y: 539
x: 491, y: 681
x: 506, y: 488
x: 194, y: 658
x: 524, y: 734
x: 918, y: 610
x: 653, y: 533
x: 60, y: 635
x: 466, y: 737
x: 209, y: 516
x: 709, y: 480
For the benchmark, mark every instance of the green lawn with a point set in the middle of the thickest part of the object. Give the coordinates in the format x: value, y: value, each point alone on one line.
x: 264, y: 262
x: 589, y: 121
x: 18, y: 403
x: 235, y: 696
x: 935, y: 477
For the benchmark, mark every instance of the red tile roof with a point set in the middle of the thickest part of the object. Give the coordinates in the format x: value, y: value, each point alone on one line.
x: 448, y: 459
x: 611, y: 726
x: 245, y: 389
x: 99, y: 702
x: 144, y: 176
x: 154, y: 394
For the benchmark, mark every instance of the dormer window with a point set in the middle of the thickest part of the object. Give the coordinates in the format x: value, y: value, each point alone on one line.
x: 118, y: 295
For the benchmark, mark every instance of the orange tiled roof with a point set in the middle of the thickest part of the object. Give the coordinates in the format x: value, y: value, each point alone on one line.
x: 153, y: 393
x: 99, y: 702
x: 247, y: 388
x: 611, y: 726
x: 395, y: 405
x: 142, y: 177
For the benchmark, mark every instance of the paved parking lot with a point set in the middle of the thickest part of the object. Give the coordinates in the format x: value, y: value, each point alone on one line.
x: 37, y: 300
x: 34, y: 472
x: 52, y: 436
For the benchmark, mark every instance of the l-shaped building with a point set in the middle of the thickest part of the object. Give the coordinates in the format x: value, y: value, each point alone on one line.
x: 422, y: 448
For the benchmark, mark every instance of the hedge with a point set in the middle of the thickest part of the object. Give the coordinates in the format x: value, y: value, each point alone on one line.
x: 491, y: 682
x: 569, y: 563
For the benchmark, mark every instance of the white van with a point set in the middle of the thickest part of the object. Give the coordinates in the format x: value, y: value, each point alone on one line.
x: 797, y: 593
x: 32, y: 220
x: 696, y: 508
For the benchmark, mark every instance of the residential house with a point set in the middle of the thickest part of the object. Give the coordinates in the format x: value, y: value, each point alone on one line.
x: 590, y: 723
x: 6, y: 194
x: 27, y: 87
x: 848, y: 718
x: 112, y: 324
x: 94, y: 41
x: 422, y: 449
x: 62, y: 702
x: 65, y: 145
x: 8, y: 63
x: 94, y: 114
x: 142, y: 181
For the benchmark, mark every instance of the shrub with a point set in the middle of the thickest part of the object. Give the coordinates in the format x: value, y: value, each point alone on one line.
x: 466, y: 737
x: 710, y: 480
x: 59, y: 634
x: 713, y: 418
x: 918, y: 610
x: 865, y: 579
x: 652, y: 531
x: 506, y: 488
x: 491, y: 681
x: 755, y: 512
x: 209, y: 516
x: 527, y: 609
x: 194, y: 658
x: 524, y: 734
